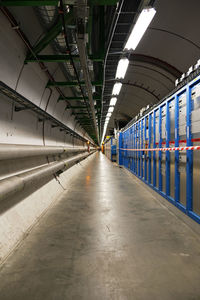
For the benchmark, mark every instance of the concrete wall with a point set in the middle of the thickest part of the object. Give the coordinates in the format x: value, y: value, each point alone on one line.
x: 19, y: 213
x: 28, y: 79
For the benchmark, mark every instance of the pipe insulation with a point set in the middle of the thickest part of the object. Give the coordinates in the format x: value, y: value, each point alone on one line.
x: 18, y: 183
x: 8, y: 151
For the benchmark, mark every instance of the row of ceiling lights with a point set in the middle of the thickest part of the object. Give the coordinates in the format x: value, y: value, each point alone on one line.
x: 135, y: 36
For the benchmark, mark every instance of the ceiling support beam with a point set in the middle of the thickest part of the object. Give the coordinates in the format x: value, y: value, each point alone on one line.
x: 146, y: 89
x: 76, y: 107
x: 50, y: 2
x: 156, y: 62
x: 28, y: 2
x: 78, y: 98
x: 103, y: 2
x: 60, y: 58
x: 52, y: 33
x: 81, y: 113
x: 72, y: 83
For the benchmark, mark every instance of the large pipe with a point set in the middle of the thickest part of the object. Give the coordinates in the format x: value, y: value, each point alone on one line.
x: 19, y: 151
x: 17, y: 183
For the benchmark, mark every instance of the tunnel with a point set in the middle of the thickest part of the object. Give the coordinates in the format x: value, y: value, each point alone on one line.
x: 99, y: 150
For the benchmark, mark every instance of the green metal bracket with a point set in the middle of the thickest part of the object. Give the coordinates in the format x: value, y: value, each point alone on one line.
x: 76, y: 107
x: 28, y: 2
x: 103, y: 2
x: 59, y: 58
x: 49, y: 2
x: 50, y: 36
x: 78, y: 98
x: 86, y: 124
x: 71, y: 98
x: 72, y: 83
x: 80, y: 113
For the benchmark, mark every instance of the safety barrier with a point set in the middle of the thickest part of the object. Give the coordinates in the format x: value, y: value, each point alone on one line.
x: 166, y: 149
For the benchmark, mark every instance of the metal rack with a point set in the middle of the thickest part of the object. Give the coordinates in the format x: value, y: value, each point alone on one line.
x: 154, y: 148
x: 22, y: 103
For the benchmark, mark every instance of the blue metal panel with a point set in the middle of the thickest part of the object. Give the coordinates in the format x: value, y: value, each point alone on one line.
x: 134, y: 148
x: 167, y: 152
x: 111, y: 140
x: 145, y: 158
x: 139, y: 152
x: 136, y: 138
x: 154, y: 146
x: 120, y: 146
x: 160, y: 145
x: 142, y: 146
x: 149, y: 152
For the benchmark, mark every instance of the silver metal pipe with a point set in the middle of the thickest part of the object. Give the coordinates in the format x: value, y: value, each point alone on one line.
x: 17, y: 183
x: 19, y: 151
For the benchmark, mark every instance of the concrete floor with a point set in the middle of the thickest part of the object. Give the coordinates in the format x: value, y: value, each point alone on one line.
x: 107, y: 238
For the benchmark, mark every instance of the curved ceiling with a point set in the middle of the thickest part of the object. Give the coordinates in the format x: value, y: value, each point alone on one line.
x: 169, y: 47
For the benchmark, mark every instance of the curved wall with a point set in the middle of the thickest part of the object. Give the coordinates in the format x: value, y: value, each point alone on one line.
x: 19, y: 212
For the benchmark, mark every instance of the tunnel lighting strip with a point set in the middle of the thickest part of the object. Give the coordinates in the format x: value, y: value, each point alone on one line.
x: 116, y: 89
x: 113, y: 101
x: 140, y: 27
x: 165, y: 149
x: 122, y: 68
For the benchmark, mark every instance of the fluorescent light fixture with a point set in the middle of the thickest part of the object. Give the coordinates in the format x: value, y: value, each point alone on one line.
x: 111, y: 108
x: 121, y: 68
x: 140, y: 27
x: 116, y: 88
x: 113, y: 101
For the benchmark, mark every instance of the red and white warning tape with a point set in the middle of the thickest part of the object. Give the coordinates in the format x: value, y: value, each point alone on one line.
x: 165, y: 149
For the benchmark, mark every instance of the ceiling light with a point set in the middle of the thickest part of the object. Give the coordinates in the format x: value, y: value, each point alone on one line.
x: 113, y: 101
x: 121, y: 68
x: 110, y: 110
x: 140, y: 27
x: 108, y: 114
x: 116, y: 88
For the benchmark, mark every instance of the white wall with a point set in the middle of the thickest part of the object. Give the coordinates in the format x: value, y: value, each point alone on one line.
x: 28, y: 79
x: 19, y: 213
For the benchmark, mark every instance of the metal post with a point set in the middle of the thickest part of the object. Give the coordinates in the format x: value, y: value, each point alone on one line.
x: 134, y: 146
x: 177, y: 175
x: 167, y: 152
x: 189, y: 166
